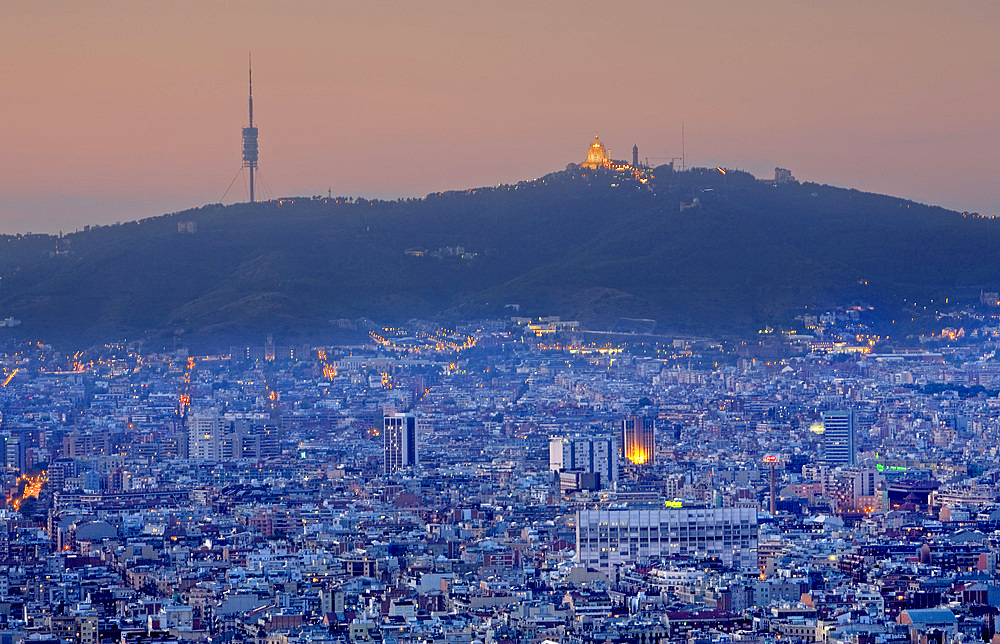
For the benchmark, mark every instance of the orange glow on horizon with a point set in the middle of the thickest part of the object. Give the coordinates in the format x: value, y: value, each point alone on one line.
x: 142, y: 98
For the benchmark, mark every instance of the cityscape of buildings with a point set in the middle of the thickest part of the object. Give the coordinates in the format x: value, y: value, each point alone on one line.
x: 506, y: 481
x: 640, y: 469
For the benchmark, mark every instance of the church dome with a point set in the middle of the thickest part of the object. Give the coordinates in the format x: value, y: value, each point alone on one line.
x: 597, y: 155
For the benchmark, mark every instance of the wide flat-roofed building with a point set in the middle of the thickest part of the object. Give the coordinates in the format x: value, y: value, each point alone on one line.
x: 606, y: 538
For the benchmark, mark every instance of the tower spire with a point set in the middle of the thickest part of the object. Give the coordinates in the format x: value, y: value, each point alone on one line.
x: 250, y: 67
x: 250, y: 135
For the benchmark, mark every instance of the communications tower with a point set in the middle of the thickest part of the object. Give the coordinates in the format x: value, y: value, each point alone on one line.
x: 250, y: 140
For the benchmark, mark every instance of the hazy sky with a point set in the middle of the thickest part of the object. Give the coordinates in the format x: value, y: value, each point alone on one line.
x: 125, y: 109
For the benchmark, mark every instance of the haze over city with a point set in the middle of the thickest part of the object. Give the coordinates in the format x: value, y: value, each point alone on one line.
x: 121, y: 110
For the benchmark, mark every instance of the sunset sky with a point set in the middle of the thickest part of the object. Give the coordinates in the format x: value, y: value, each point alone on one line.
x: 125, y: 109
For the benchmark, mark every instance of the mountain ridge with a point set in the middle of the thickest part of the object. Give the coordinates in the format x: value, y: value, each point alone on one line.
x: 693, y: 250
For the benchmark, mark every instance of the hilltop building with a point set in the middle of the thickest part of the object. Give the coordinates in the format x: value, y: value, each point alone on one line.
x: 599, y: 157
x: 783, y: 175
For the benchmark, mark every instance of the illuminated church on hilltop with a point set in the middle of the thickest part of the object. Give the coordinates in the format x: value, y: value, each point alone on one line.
x: 599, y: 157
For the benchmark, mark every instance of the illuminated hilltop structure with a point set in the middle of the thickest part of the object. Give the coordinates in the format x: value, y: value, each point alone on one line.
x: 598, y: 157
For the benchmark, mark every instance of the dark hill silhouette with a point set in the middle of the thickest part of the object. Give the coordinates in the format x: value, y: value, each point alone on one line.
x: 588, y: 245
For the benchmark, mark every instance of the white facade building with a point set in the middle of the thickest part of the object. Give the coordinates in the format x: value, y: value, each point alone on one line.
x: 204, y: 429
x: 590, y: 454
x: 400, y: 442
x: 606, y: 538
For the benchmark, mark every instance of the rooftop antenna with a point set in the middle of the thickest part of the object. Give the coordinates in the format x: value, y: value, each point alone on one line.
x: 250, y: 136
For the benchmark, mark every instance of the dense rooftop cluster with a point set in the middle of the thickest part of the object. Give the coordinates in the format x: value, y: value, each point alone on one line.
x: 247, y: 497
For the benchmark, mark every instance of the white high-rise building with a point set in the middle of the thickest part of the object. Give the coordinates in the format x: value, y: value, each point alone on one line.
x: 590, y: 454
x: 400, y: 442
x: 204, y: 434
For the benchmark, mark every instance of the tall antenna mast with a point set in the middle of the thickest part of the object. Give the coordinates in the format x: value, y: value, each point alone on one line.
x: 250, y: 137
x: 683, y: 153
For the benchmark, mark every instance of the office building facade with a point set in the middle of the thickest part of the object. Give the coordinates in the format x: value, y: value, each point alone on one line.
x: 839, y: 437
x: 586, y: 454
x: 639, y: 440
x: 400, y: 442
x: 607, y: 538
x: 204, y: 436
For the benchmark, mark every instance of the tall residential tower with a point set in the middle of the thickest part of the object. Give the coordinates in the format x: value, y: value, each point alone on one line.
x: 587, y: 454
x: 838, y: 437
x: 400, y: 442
